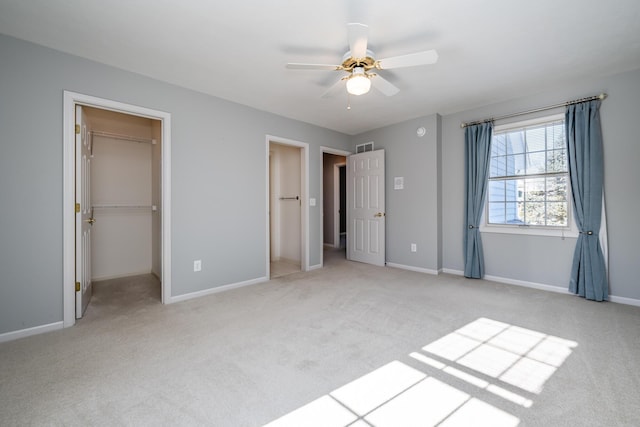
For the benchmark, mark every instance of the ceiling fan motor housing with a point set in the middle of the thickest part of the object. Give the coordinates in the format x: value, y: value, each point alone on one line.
x: 349, y: 62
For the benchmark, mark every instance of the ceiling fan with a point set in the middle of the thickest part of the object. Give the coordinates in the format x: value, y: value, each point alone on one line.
x: 359, y: 62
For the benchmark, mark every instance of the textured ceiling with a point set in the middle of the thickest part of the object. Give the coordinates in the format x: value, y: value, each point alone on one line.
x: 490, y: 50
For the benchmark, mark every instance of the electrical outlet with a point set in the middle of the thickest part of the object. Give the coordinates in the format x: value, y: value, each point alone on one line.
x: 197, y: 265
x: 414, y: 247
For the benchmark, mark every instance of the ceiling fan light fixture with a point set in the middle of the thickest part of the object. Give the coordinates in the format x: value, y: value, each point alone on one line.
x: 358, y: 83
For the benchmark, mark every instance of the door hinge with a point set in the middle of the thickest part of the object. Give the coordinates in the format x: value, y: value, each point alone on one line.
x: 77, y: 286
x: 77, y: 207
x: 77, y: 129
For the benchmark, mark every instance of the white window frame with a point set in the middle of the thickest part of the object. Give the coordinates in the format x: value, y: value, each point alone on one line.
x: 571, y: 230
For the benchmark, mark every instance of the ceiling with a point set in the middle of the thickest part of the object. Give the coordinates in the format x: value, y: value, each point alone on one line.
x: 489, y: 50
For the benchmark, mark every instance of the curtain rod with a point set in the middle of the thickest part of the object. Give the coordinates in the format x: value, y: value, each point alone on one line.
x: 535, y: 110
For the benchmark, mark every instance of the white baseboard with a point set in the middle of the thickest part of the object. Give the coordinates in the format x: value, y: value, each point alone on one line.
x: 624, y: 300
x: 412, y: 268
x: 508, y: 281
x: 215, y: 290
x: 526, y: 284
x: 315, y: 267
x: 541, y: 286
x: 22, y: 333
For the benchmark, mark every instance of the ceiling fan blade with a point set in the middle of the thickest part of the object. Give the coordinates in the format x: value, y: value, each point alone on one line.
x: 300, y: 66
x: 333, y: 89
x: 419, y: 58
x: 383, y: 85
x: 358, y: 35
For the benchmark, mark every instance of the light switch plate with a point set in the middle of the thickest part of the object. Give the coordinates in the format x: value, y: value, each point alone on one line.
x: 312, y: 201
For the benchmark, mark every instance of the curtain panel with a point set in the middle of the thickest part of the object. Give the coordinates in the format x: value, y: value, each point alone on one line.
x: 477, y: 156
x: 586, y: 172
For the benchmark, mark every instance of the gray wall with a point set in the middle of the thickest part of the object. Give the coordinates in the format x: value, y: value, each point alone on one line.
x: 413, y: 213
x: 218, y: 178
x: 218, y: 188
x: 431, y: 214
x: 507, y: 255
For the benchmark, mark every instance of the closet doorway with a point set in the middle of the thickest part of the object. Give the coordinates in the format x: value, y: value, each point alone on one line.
x: 125, y: 193
x: 287, y: 207
x: 116, y: 201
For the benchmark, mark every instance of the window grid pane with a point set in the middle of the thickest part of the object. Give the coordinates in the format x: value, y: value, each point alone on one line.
x: 539, y: 195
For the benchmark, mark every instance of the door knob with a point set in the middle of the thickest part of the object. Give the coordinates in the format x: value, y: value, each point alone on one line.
x: 379, y: 215
x: 91, y: 220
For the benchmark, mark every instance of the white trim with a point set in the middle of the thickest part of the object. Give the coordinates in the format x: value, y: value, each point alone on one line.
x: 543, y: 287
x: 570, y: 231
x: 624, y: 300
x: 218, y: 289
x: 70, y: 99
x: 315, y: 267
x: 22, y: 333
x: 523, y: 283
x: 336, y: 202
x: 531, y: 230
x: 508, y: 281
x: 528, y: 123
x: 337, y: 152
x: 304, y: 185
x: 412, y: 268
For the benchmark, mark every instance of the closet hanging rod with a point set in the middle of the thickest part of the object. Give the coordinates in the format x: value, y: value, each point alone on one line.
x: 123, y: 137
x: 152, y: 207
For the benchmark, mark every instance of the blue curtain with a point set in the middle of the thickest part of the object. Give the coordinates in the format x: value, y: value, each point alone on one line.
x: 477, y: 139
x: 586, y: 171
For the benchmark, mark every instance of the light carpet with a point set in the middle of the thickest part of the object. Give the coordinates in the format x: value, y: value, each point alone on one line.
x: 348, y: 344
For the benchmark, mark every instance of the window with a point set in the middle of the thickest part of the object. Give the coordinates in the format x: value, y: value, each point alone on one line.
x: 529, y: 184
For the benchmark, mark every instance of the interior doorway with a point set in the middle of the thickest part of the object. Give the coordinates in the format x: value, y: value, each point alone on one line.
x: 334, y: 213
x: 340, y: 186
x: 287, y: 246
x: 120, y: 205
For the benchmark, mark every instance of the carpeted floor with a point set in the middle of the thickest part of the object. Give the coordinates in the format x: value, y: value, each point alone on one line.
x: 349, y: 344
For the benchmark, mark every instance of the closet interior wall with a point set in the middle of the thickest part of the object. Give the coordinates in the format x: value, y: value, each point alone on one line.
x: 285, y: 208
x: 125, y: 192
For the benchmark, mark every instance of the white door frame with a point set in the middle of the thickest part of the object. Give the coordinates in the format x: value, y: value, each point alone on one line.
x: 336, y: 203
x: 68, y: 197
x: 337, y: 152
x: 304, y: 197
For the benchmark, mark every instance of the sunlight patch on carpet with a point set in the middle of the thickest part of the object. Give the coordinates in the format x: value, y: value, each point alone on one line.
x: 490, y: 355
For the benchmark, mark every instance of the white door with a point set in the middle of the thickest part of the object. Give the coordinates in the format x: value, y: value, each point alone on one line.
x: 84, y: 214
x: 365, y: 207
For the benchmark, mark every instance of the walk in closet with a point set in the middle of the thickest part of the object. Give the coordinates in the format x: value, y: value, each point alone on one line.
x: 125, y: 182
